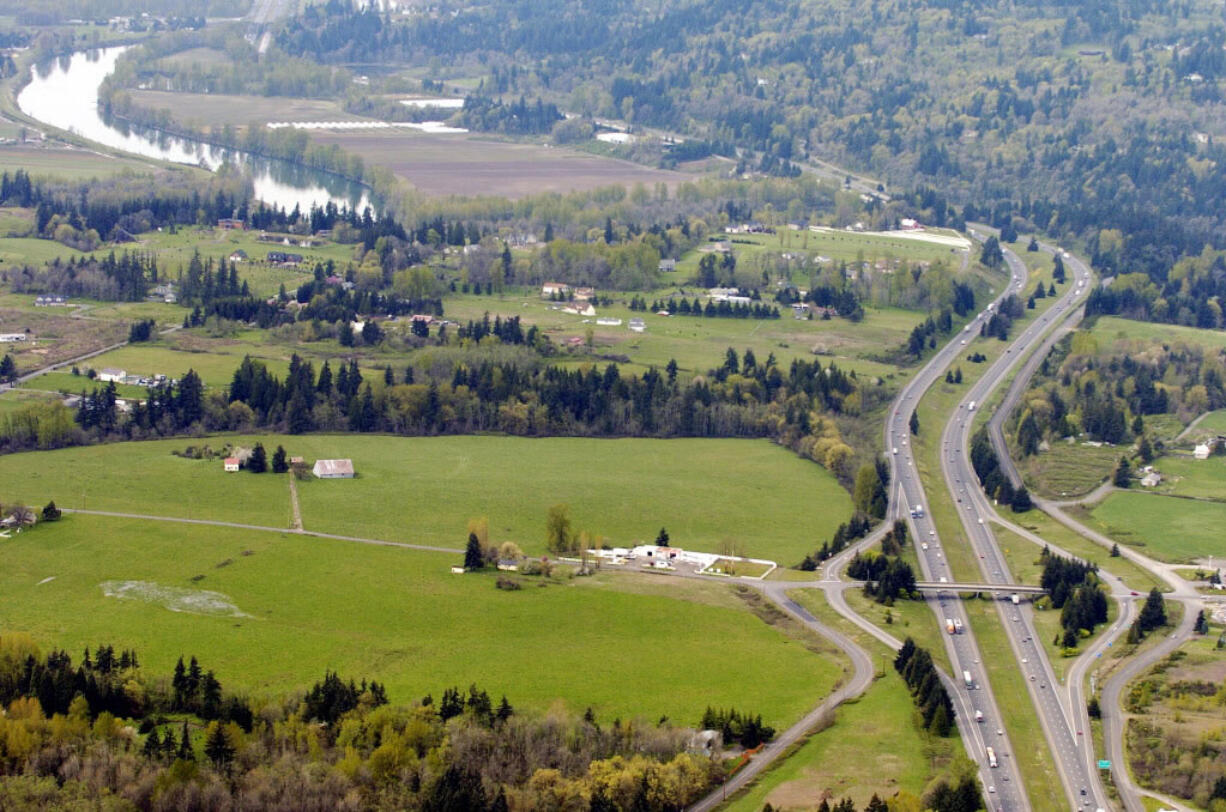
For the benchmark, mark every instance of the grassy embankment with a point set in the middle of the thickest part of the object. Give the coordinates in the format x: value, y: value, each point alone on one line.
x: 871, y: 746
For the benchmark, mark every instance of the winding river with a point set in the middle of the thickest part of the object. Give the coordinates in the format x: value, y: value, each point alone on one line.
x: 64, y: 94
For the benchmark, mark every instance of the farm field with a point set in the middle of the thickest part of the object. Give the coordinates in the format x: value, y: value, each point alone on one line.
x: 699, y: 343
x: 70, y: 163
x: 443, y: 165
x: 220, y: 109
x: 746, y: 496
x: 1069, y: 469
x: 285, y: 608
x: 1186, y: 476
x: 1168, y: 528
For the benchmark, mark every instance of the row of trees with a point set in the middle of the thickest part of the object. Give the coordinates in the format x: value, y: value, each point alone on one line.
x: 993, y: 479
x: 936, y: 710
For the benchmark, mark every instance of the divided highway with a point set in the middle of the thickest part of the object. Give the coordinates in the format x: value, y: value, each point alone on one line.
x: 987, y: 741
x: 1068, y: 742
x: 1074, y: 690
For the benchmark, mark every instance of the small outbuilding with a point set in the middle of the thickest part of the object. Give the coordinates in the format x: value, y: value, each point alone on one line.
x: 111, y: 374
x: 1202, y: 450
x: 231, y: 464
x: 1151, y: 480
x: 333, y: 469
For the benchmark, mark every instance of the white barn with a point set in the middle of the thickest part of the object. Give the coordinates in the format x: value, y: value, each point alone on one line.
x: 333, y: 469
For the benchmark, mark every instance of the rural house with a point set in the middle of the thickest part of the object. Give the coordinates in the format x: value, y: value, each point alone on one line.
x: 555, y: 289
x: 231, y: 224
x: 50, y: 300
x: 111, y: 374
x: 12, y: 338
x: 1202, y: 450
x: 1151, y: 480
x: 333, y: 469
x: 668, y: 265
x: 238, y: 256
x: 230, y: 464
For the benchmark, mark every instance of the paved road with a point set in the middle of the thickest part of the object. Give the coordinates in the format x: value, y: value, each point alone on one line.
x: 861, y: 679
x: 1075, y: 696
x: 907, y: 499
x: 975, y: 510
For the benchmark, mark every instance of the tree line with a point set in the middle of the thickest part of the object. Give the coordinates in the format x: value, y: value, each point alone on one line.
x: 915, y: 666
x: 1075, y: 590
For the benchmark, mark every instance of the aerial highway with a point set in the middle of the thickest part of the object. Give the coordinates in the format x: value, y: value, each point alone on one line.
x: 1067, y: 741
x: 1181, y: 591
x: 907, y: 499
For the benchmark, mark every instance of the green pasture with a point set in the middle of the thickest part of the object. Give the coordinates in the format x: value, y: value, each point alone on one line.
x: 71, y: 163
x: 1187, y: 476
x: 1213, y: 423
x: 1038, y: 522
x: 71, y: 384
x: 742, y: 496
x: 1110, y: 329
x: 699, y: 343
x: 1165, y: 527
x: 873, y: 746
x: 310, y: 605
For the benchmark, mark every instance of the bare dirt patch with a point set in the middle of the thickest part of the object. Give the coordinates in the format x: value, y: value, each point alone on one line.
x: 55, y: 337
x: 441, y: 165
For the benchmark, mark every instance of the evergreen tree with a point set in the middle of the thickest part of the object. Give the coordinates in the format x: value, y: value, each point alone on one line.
x: 662, y: 538
x: 218, y: 748
x: 280, y: 463
x: 1153, y: 613
x: 473, y: 558
x: 257, y: 463
x: 8, y: 369
x: 1115, y: 550
x: 186, y: 751
x: 153, y: 745
x: 914, y: 423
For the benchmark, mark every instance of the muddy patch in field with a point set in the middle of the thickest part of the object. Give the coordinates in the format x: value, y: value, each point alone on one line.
x: 174, y: 598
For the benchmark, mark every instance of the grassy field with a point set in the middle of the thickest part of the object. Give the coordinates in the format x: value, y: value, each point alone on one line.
x: 219, y: 109
x: 1136, y: 578
x: 1126, y: 331
x: 872, y: 747
x: 308, y: 605
x: 443, y: 165
x: 1069, y: 470
x: 715, y: 495
x: 1186, y: 476
x: 1213, y: 423
x: 67, y: 163
x: 699, y: 343
x: 1167, y: 528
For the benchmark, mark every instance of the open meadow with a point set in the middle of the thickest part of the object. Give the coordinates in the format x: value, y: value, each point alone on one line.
x: 744, y: 496
x: 271, y: 612
x: 64, y: 162
x: 699, y: 343
x: 456, y: 164
x: 1187, y: 476
x: 1168, y: 528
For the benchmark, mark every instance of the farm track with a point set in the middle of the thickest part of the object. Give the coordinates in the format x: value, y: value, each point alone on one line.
x: 264, y: 529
